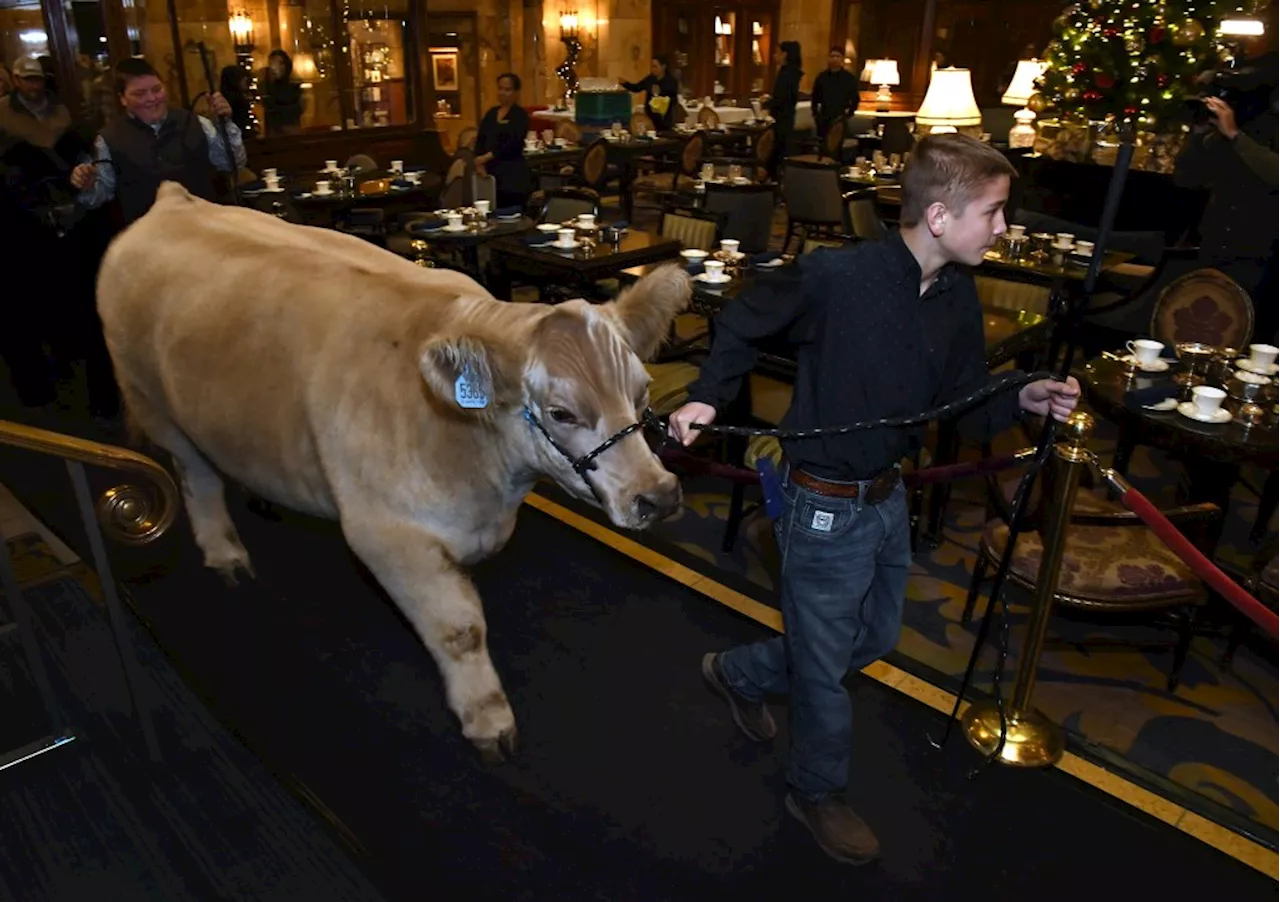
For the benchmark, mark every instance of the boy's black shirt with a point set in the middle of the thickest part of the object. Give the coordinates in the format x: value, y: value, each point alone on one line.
x: 868, y: 345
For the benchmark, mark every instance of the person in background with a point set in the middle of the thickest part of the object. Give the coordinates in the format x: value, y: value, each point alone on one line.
x: 6, y: 82
x: 881, y: 329
x: 234, y: 84
x: 661, y: 94
x: 49, y: 238
x: 1232, y: 151
x: 500, y: 144
x: 781, y: 104
x: 152, y: 143
x: 281, y: 96
x: 835, y: 93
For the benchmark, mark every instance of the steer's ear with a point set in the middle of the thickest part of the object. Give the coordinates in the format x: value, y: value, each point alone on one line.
x: 471, y: 373
x: 646, y: 310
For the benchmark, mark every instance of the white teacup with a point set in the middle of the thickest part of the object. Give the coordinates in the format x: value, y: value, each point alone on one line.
x: 270, y: 172
x: 272, y: 182
x: 1263, y: 357
x: 1145, y: 350
x: 586, y: 220
x: 415, y: 177
x: 454, y: 220
x: 729, y: 246
x: 323, y: 187
x: 397, y: 165
x: 714, y: 270
x: 1084, y: 248
x: 564, y: 237
x: 330, y: 165
x: 1065, y: 239
x: 1017, y: 231
x: 561, y: 142
x: 482, y: 207
x: 1207, y: 399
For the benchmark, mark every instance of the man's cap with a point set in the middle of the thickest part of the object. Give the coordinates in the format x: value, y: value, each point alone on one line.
x: 28, y: 67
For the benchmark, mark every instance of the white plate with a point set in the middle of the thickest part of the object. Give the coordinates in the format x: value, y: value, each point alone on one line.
x: 1245, y: 363
x: 706, y: 277
x: 1158, y: 366
x: 770, y: 264
x: 1188, y: 410
x: 324, y: 193
x: 693, y: 253
x: 460, y: 227
x: 556, y: 246
x: 548, y: 227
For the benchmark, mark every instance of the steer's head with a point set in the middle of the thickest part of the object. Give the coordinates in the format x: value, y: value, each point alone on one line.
x: 572, y: 379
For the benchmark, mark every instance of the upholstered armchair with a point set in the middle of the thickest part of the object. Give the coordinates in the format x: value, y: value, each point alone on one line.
x: 1112, y: 564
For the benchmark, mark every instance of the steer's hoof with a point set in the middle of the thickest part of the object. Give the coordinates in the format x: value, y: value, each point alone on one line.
x: 497, y: 751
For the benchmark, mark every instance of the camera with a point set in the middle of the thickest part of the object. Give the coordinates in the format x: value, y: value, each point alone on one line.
x: 1245, y: 90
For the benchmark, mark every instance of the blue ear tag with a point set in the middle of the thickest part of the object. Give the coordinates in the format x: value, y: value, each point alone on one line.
x: 468, y: 391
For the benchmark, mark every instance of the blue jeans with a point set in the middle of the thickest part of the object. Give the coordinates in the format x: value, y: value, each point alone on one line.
x: 844, y: 580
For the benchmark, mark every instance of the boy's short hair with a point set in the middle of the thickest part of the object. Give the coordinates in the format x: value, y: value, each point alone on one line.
x: 949, y: 168
x: 130, y: 68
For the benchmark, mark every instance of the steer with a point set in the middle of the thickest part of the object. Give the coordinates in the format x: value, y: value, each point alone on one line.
x: 337, y: 379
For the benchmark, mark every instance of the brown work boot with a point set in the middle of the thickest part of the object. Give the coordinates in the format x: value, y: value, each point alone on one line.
x: 752, y: 719
x: 839, y: 831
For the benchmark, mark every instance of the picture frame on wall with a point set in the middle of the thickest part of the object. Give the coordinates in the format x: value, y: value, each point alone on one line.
x: 444, y: 71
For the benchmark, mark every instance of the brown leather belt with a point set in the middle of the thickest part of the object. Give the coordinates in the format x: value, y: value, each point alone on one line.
x: 877, y: 490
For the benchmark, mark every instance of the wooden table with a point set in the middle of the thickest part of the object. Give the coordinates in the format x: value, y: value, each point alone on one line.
x: 581, y: 268
x: 1214, y: 452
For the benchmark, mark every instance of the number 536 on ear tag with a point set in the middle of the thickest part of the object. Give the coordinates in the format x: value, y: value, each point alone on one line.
x: 469, y: 393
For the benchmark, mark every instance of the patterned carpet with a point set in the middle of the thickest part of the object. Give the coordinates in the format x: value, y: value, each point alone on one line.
x: 1212, y: 744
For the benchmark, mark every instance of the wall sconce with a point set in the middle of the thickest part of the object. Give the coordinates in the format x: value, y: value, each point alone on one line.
x: 569, y: 24
x: 242, y: 32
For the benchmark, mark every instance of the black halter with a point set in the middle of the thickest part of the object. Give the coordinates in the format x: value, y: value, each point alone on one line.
x: 587, y: 462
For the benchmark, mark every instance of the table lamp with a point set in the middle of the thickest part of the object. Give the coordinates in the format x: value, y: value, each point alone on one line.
x: 1023, y: 133
x: 883, y: 73
x: 949, y: 104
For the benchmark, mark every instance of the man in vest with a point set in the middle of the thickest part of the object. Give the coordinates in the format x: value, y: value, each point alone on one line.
x: 152, y: 143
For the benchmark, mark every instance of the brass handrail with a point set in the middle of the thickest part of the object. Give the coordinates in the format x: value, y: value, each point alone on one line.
x: 127, y: 513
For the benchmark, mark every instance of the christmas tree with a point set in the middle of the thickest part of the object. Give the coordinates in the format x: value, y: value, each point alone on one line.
x: 1132, y: 59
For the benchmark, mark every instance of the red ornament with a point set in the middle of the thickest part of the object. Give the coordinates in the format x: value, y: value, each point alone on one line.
x: 1078, y: 68
x: 1110, y: 32
x: 1091, y: 96
x: 1156, y: 34
x: 1131, y: 111
x: 1162, y: 79
x: 1104, y: 80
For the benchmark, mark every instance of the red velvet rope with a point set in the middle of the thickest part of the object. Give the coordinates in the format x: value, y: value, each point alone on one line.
x: 1204, y: 568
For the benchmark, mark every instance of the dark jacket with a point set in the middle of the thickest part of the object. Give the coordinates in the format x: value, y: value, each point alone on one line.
x: 1240, y: 219
x: 143, y: 158
x: 835, y: 96
x: 785, y: 96
x: 37, y: 156
x: 667, y: 86
x: 505, y: 140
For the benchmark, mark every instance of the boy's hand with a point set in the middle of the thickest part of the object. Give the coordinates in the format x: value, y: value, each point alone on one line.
x: 681, y: 422
x: 1049, y: 396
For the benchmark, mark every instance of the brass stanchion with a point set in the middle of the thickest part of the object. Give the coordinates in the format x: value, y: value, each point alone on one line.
x: 1030, y: 738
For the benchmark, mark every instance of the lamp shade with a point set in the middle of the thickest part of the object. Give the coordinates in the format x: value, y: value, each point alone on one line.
x: 949, y: 102
x: 1242, y: 27
x: 883, y: 72
x: 1024, y: 82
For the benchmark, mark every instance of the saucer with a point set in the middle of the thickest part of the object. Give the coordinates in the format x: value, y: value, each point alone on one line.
x: 1156, y: 366
x: 549, y: 227
x: 1245, y: 363
x: 556, y: 246
x: 706, y: 277
x: 1188, y: 410
x: 693, y: 253
x: 324, y: 193
x: 460, y: 227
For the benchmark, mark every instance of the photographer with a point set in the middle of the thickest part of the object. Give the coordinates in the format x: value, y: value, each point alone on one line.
x: 1232, y: 152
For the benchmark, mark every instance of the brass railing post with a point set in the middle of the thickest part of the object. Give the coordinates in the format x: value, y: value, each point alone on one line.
x: 1029, y: 738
